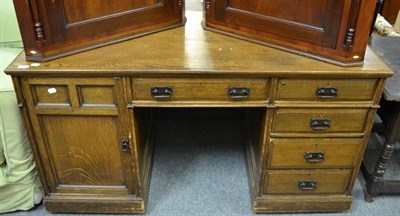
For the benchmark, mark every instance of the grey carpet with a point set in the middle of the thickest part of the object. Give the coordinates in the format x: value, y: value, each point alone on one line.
x: 187, y: 174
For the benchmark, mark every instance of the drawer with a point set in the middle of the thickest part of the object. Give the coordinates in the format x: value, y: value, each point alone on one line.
x: 307, y: 181
x: 96, y: 93
x: 314, y: 153
x: 199, y: 89
x: 325, y: 89
x: 315, y: 120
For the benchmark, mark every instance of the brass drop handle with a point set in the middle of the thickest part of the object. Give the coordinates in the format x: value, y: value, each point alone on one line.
x: 307, y: 185
x: 320, y: 124
x: 314, y: 157
x: 163, y: 92
x: 327, y: 92
x: 239, y: 92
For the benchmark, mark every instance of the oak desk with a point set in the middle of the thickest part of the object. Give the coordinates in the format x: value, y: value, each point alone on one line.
x: 90, y: 130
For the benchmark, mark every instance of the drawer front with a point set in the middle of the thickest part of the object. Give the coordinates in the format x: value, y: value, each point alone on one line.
x: 314, y: 153
x: 337, y: 120
x: 307, y: 181
x: 199, y: 89
x: 78, y: 93
x: 326, y: 90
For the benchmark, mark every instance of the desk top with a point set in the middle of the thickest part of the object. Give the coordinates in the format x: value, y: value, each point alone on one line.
x: 192, y: 50
x: 389, y: 49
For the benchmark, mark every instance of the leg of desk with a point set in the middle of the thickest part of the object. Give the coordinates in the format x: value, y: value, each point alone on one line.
x: 375, y: 181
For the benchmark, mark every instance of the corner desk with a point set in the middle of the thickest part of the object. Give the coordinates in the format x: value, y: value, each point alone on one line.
x: 90, y: 129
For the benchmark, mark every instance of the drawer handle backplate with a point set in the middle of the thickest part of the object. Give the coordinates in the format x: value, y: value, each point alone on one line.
x: 320, y: 124
x: 239, y: 92
x: 314, y: 157
x: 327, y: 92
x: 163, y: 92
x: 307, y: 185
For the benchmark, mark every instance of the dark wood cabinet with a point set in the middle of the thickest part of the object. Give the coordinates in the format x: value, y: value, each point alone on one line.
x: 51, y: 29
x: 331, y: 30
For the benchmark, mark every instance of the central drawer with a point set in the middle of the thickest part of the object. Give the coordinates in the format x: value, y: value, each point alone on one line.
x: 320, y: 120
x: 169, y: 89
x: 334, y: 181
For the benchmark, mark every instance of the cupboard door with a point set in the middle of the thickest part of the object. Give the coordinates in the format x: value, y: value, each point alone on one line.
x: 81, y: 130
x: 74, y: 19
x: 56, y: 28
x: 317, y: 22
x: 84, y: 154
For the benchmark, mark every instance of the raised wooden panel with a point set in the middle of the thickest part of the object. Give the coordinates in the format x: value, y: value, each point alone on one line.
x: 83, y: 153
x: 123, y: 18
x: 327, y: 181
x: 96, y: 96
x: 288, y: 10
x: 73, y: 94
x: 299, y: 120
x: 335, y: 31
x: 78, y: 11
x: 306, y: 89
x: 52, y: 29
x: 45, y: 95
x: 291, y: 153
x: 313, y: 21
